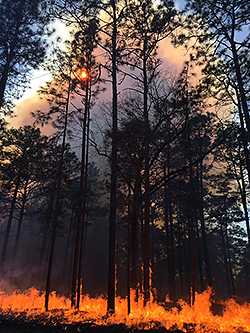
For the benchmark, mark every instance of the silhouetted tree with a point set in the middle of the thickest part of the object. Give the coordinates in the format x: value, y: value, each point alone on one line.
x: 24, y: 150
x: 22, y: 45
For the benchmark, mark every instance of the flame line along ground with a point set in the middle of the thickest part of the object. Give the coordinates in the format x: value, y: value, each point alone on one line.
x: 28, y: 308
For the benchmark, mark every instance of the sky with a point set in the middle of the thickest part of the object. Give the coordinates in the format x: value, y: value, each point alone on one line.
x: 31, y: 101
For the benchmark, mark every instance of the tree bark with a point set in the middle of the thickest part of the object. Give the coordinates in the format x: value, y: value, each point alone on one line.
x: 130, y: 219
x: 20, y: 220
x: 135, y: 237
x: 114, y: 166
x: 203, y: 229
x: 146, y: 231
x: 9, y: 224
x: 75, y: 263
x: 83, y: 191
x: 10, y: 53
x: 3, y: 83
x: 180, y: 255
x: 170, y: 238
x: 46, y: 231
x: 244, y: 202
x: 55, y: 209
x: 242, y: 93
x: 225, y: 257
x: 230, y: 268
x: 244, y: 139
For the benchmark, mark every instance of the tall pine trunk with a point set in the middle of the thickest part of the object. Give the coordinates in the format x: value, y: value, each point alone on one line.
x: 47, y: 226
x: 3, y: 83
x: 130, y: 219
x: 225, y: 259
x: 9, y: 224
x: 113, y: 185
x: 243, y: 193
x: 242, y: 92
x: 244, y: 139
x: 135, y: 236
x: 10, y: 53
x: 180, y: 253
x: 146, y: 229
x: 81, y: 214
x: 55, y: 209
x: 85, y: 158
x: 170, y: 233
x: 205, y: 249
x: 20, y: 220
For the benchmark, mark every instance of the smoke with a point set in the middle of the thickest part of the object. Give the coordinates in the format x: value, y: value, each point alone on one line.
x: 172, y: 58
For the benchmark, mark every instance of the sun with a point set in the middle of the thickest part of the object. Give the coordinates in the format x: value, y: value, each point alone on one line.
x: 84, y: 74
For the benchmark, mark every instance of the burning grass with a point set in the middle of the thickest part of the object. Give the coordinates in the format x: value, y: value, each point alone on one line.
x: 29, y: 307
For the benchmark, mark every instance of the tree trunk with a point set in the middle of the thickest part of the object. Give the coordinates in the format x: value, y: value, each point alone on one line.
x: 224, y: 251
x: 188, y: 260
x: 20, y: 220
x: 146, y: 231
x: 135, y: 237
x: 170, y: 237
x: 46, y: 231
x: 203, y: 229
x: 75, y: 264
x: 167, y: 228
x: 244, y: 202
x: 113, y: 185
x: 130, y: 218
x: 242, y: 93
x: 68, y: 248
x: 192, y: 203
x: 49, y: 271
x: 230, y: 268
x: 3, y: 83
x: 199, y: 241
x: 9, y: 52
x: 9, y: 224
x: 83, y: 190
x: 55, y: 209
x: 180, y: 255
x: 244, y: 139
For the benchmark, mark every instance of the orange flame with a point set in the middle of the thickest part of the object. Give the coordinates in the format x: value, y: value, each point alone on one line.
x: 236, y: 317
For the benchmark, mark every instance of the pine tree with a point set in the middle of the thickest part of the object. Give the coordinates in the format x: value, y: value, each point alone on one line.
x: 22, y: 46
x: 222, y: 48
x: 152, y: 24
x: 24, y: 150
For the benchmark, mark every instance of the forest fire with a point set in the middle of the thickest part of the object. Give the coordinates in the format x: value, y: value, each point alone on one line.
x: 235, y: 318
x: 132, y: 179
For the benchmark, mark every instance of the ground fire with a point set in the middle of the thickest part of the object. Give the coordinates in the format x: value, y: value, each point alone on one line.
x: 234, y: 317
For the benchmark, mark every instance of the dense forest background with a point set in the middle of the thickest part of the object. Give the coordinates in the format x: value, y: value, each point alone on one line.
x: 143, y: 180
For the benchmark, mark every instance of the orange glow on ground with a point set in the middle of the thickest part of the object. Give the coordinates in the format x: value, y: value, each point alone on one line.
x: 236, y: 317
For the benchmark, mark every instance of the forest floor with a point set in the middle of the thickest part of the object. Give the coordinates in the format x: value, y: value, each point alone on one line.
x: 22, y: 324
x: 83, y: 329
x: 10, y: 324
x: 7, y: 326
